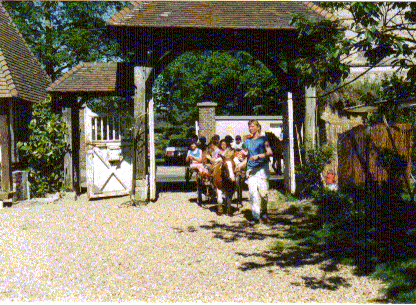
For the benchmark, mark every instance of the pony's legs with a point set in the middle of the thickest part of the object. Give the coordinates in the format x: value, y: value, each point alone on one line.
x: 219, y: 202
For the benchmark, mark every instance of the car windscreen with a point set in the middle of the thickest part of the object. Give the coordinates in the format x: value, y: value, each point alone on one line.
x: 178, y: 143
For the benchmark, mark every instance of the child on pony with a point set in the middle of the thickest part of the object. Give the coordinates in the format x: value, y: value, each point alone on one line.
x: 194, y: 157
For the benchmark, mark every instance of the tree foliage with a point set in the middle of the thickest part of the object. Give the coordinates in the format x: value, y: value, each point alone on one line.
x: 317, y: 59
x: 63, y: 33
x: 239, y: 84
x: 380, y: 32
x: 393, y: 90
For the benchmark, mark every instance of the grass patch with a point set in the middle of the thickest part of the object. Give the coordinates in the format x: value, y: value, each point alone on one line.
x: 376, y: 234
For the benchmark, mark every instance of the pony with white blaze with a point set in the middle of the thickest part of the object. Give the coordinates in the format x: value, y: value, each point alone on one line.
x: 224, y: 182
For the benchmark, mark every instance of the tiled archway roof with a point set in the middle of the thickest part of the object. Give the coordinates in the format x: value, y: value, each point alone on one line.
x: 216, y: 14
x: 96, y: 78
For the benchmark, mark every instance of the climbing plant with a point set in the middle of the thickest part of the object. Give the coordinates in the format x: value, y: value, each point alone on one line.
x: 44, y: 151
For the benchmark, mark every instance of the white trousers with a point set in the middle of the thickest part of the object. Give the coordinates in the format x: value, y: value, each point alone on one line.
x: 258, y: 187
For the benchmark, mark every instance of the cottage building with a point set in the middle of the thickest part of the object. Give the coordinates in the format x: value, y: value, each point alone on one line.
x: 23, y: 81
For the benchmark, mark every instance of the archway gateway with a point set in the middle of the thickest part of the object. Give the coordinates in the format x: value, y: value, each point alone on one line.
x: 157, y: 32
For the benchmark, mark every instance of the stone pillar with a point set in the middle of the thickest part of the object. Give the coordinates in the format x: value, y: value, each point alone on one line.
x: 207, y: 119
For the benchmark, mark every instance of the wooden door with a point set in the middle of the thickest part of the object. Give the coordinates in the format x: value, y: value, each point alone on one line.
x: 109, y: 140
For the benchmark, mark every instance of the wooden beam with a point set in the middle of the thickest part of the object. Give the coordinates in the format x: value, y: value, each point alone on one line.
x: 140, y: 186
x: 68, y: 175
x: 152, y: 171
x: 75, y: 149
x: 289, y: 153
x: 70, y: 116
x: 6, y: 174
x: 310, y: 118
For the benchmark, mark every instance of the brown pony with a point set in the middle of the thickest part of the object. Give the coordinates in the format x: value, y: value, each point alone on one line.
x: 277, y: 148
x: 224, y: 182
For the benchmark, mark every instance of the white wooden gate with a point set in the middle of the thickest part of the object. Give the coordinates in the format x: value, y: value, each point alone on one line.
x: 109, y: 140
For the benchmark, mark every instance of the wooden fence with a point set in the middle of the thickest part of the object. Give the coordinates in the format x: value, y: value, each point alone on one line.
x: 363, y: 146
x: 335, y: 125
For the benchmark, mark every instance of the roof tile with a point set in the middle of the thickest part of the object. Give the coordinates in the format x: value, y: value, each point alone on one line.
x: 21, y: 75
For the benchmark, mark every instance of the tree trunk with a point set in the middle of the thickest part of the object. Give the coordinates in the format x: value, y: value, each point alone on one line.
x: 47, y: 9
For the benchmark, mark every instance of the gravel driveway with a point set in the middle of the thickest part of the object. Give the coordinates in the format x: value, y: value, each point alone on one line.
x: 171, y: 250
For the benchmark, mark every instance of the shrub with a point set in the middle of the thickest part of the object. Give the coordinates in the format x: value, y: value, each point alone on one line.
x: 332, y: 204
x: 308, y: 174
x: 44, y: 151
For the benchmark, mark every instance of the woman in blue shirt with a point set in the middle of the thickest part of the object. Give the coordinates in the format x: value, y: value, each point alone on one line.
x: 258, y: 174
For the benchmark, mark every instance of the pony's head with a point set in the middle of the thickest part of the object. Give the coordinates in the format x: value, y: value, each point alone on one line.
x: 228, y: 168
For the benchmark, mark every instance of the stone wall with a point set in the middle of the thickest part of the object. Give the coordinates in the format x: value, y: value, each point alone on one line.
x: 237, y: 125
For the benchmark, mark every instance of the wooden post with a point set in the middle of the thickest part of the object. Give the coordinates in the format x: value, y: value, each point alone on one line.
x: 70, y: 115
x: 140, y: 187
x: 75, y: 149
x: 310, y: 118
x: 6, y: 174
x: 289, y: 153
x: 68, y: 174
x: 152, y: 171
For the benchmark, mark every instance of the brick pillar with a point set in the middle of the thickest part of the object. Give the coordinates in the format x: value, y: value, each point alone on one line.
x: 207, y: 119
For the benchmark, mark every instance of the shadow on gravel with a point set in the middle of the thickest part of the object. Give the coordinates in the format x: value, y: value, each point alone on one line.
x: 236, y: 231
x: 211, y: 205
x: 280, y: 223
x: 328, y: 283
x: 177, y: 186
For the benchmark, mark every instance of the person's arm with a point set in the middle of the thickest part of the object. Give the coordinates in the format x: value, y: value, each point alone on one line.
x: 208, y: 157
x: 241, y: 165
x: 188, y: 157
x: 264, y: 155
x: 244, y: 161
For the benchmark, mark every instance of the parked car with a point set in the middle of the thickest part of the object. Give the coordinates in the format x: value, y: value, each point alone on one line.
x: 176, y: 150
